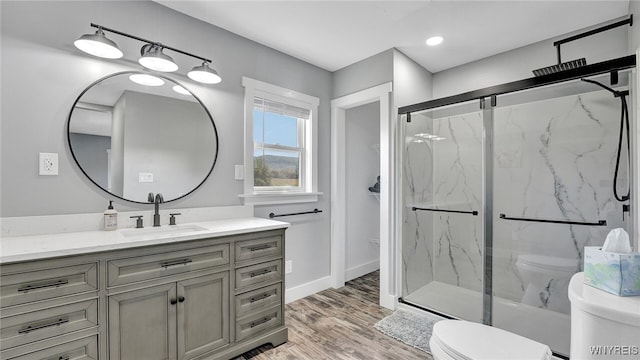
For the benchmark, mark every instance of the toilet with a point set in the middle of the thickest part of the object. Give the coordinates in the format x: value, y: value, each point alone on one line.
x: 544, y: 274
x: 465, y: 340
x: 603, y: 326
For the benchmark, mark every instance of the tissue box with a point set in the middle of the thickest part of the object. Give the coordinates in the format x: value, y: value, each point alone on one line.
x: 615, y: 273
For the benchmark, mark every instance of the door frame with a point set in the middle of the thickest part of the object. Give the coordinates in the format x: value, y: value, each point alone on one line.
x: 382, y: 94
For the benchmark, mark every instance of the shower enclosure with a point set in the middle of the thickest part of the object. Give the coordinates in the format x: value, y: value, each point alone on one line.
x: 501, y: 191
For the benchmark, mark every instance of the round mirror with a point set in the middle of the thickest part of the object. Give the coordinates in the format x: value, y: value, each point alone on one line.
x: 132, y: 133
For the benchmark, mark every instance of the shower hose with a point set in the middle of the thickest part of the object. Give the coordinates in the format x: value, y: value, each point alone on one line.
x: 624, y: 124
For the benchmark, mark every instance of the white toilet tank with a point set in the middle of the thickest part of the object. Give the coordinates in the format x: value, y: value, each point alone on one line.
x: 603, y: 326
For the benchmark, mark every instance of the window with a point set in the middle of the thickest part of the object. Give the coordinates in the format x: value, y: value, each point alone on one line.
x: 280, y: 144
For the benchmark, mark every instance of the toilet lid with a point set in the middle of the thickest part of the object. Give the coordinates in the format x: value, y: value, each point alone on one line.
x: 550, y: 262
x: 464, y: 340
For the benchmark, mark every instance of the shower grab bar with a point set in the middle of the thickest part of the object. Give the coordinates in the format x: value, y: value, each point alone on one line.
x: 472, y: 212
x: 598, y: 223
x: 314, y: 211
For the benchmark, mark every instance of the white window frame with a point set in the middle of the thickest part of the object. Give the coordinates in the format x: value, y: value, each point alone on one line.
x: 308, y: 191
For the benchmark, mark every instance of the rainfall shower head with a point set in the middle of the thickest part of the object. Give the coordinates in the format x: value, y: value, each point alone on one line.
x: 573, y: 64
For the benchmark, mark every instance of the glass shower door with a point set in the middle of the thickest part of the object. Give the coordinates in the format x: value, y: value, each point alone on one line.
x: 554, y: 159
x: 442, y: 222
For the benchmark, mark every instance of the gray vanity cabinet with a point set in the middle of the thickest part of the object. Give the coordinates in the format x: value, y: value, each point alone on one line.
x: 142, y: 324
x: 173, y: 321
x: 203, y: 316
x: 212, y: 298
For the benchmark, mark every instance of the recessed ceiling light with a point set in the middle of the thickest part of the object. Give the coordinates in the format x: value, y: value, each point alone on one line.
x: 434, y: 40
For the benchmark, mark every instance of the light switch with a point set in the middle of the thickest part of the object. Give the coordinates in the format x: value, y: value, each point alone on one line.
x: 145, y: 177
x: 239, y: 172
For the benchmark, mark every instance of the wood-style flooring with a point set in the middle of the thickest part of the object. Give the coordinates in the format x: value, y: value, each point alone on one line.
x: 338, y: 324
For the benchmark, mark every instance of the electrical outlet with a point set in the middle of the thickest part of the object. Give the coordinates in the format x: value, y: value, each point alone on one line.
x: 48, y: 164
x: 288, y: 266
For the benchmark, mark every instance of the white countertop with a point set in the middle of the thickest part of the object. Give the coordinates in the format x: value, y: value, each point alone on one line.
x: 35, y: 247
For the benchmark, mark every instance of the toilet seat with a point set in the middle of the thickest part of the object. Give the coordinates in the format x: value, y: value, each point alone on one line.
x: 552, y: 263
x: 465, y: 340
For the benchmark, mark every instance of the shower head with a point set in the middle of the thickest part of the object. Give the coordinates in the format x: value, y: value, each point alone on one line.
x: 573, y: 64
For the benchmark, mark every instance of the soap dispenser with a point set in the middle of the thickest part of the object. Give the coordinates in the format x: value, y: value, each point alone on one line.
x: 110, y: 218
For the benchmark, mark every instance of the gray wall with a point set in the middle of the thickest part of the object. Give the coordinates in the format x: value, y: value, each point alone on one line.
x: 117, y: 146
x: 411, y: 82
x: 517, y: 64
x: 41, y: 64
x: 372, y: 71
x: 362, y: 125
x: 91, y: 152
x: 634, y: 31
x: 170, y: 138
x: 43, y: 73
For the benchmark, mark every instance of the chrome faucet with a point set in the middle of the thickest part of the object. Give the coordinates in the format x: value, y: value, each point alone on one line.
x: 156, y: 201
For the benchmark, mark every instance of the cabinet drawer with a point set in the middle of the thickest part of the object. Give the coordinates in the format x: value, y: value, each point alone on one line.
x: 260, y: 249
x: 130, y: 270
x: 257, y: 300
x: 259, y: 274
x: 41, y: 324
x: 260, y: 321
x: 25, y: 287
x: 82, y: 349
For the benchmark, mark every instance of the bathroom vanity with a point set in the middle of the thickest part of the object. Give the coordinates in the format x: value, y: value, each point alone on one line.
x: 209, y: 290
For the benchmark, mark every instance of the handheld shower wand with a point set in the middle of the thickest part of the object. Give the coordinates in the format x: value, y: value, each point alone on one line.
x: 624, y: 125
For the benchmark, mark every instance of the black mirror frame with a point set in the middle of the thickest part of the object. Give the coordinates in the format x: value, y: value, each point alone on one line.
x: 215, y: 132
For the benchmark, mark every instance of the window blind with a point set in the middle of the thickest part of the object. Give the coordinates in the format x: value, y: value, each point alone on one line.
x: 280, y: 108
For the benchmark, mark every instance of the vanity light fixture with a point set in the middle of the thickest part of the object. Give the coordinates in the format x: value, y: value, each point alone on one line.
x: 98, y: 45
x: 152, y: 53
x: 204, y: 74
x: 146, y: 80
x: 153, y: 58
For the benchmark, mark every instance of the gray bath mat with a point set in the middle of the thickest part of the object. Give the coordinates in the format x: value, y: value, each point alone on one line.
x: 409, y: 327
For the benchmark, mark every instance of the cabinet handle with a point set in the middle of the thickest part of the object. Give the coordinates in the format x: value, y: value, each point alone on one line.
x: 166, y: 264
x: 61, y: 357
x: 181, y: 299
x: 255, y: 299
x: 173, y: 301
x: 260, y: 322
x: 31, y: 328
x: 30, y: 287
x: 258, y: 273
x: 259, y: 247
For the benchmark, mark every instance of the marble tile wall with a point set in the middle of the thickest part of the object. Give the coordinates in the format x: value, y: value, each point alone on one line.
x: 417, y: 228
x: 553, y: 159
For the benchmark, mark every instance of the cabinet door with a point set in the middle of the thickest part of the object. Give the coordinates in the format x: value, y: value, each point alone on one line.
x: 142, y: 324
x: 203, y: 314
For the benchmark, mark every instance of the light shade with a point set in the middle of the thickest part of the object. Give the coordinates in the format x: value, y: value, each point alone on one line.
x: 146, y: 79
x: 153, y: 58
x: 98, y: 45
x: 204, y: 74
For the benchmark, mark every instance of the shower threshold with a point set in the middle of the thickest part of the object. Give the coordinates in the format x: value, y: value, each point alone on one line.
x: 542, y: 325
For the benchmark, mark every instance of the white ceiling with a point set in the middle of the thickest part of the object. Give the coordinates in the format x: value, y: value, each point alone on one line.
x: 335, y: 34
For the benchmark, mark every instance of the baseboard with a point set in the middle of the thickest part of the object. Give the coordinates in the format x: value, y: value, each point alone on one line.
x: 360, y: 270
x: 304, y: 290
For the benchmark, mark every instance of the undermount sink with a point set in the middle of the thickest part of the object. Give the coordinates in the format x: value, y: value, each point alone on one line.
x: 167, y: 230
